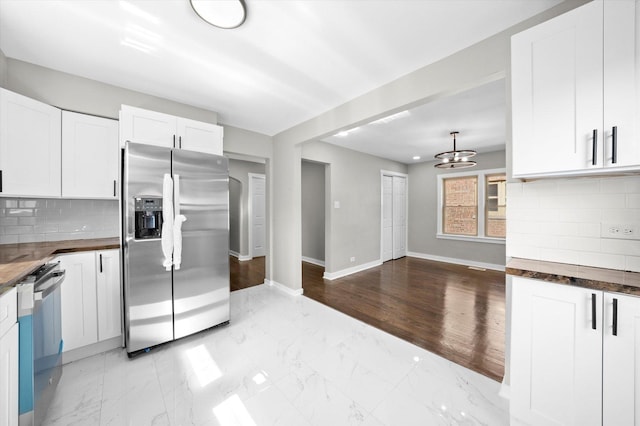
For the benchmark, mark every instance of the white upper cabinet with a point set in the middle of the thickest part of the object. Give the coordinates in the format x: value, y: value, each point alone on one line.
x: 156, y: 128
x: 144, y: 126
x: 575, y: 85
x: 199, y: 136
x: 90, y: 156
x: 29, y: 147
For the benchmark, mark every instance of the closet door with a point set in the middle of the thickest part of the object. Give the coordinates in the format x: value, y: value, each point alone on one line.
x: 399, y: 217
x: 387, y: 218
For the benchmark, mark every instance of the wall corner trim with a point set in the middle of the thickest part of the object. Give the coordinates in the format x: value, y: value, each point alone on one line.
x: 352, y: 270
x: 283, y: 288
x: 456, y: 261
x: 313, y: 261
x: 240, y: 257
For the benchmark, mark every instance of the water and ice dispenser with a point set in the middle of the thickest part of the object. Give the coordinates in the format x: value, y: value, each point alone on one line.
x: 148, y: 221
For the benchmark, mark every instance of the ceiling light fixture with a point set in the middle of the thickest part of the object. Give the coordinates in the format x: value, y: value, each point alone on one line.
x: 226, y: 14
x: 416, y: 157
x: 456, y: 159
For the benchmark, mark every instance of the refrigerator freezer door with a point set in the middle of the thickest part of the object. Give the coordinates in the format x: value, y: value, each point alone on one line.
x: 201, y: 285
x: 147, y: 285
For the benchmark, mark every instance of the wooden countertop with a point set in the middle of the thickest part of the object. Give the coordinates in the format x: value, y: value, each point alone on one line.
x: 576, y: 275
x: 18, y: 260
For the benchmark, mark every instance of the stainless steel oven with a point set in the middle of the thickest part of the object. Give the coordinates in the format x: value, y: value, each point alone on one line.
x: 41, y: 345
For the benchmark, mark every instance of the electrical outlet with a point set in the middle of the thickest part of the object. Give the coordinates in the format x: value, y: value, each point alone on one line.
x: 623, y: 231
x: 353, y: 259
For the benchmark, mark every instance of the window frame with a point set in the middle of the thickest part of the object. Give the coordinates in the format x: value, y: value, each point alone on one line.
x: 481, y: 215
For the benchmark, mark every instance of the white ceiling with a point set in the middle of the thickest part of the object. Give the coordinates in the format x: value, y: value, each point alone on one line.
x: 289, y: 62
x: 478, y: 114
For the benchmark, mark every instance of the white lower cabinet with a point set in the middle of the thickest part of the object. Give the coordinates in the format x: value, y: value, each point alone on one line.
x: 90, y: 298
x: 8, y: 359
x: 573, y: 356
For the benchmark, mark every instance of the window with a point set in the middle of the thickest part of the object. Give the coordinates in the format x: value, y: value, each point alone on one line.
x: 472, y: 206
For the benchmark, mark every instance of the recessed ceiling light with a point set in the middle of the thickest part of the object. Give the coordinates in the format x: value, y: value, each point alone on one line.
x: 391, y: 117
x: 226, y: 14
x: 416, y: 157
x: 344, y: 133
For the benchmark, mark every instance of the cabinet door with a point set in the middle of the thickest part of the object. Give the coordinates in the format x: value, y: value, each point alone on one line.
x: 144, y: 126
x: 79, y: 318
x: 29, y: 147
x: 621, y: 360
x: 622, y: 82
x: 198, y: 136
x: 9, y: 377
x: 556, y: 77
x: 108, y: 292
x: 556, y: 354
x: 90, y: 156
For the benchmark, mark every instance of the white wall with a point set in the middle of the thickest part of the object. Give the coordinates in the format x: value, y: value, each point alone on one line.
x: 313, y: 211
x: 559, y: 220
x: 423, y: 215
x: 239, y: 170
x: 3, y: 69
x: 354, y: 182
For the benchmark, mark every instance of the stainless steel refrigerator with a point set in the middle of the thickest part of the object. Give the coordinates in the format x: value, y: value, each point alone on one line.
x: 176, y: 243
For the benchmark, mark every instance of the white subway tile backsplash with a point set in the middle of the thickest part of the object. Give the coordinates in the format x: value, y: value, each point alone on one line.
x: 579, y: 243
x: 624, y: 247
x: 23, y: 220
x: 633, y: 201
x: 559, y: 220
x: 632, y: 263
x: 602, y: 260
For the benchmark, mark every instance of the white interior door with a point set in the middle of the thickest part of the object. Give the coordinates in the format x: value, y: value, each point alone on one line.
x: 399, y: 217
x: 257, y: 231
x: 394, y: 217
x: 387, y: 218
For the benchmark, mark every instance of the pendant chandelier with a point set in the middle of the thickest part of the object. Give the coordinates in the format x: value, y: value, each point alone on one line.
x: 456, y: 159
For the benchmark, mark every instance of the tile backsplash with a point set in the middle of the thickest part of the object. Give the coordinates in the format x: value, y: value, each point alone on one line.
x: 560, y: 220
x: 30, y: 220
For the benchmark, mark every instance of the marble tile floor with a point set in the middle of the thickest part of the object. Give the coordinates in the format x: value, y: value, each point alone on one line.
x: 282, y: 360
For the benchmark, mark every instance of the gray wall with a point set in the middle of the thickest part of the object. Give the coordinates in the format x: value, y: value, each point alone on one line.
x: 354, y: 181
x: 235, y: 214
x: 3, y: 69
x: 80, y: 94
x: 239, y: 170
x: 480, y: 63
x: 423, y: 215
x: 313, y: 210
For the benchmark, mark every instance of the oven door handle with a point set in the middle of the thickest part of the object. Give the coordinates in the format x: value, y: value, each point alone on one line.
x: 57, y: 277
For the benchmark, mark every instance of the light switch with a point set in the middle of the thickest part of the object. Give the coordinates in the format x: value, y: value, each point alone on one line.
x: 336, y: 204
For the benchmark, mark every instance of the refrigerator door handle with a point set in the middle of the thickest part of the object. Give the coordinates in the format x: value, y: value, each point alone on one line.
x: 167, y: 221
x: 177, y: 224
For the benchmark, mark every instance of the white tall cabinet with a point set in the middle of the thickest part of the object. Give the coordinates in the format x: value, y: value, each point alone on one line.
x: 156, y: 128
x: 576, y: 92
x: 8, y: 359
x: 91, y: 298
x: 569, y: 364
x: 30, y: 144
x: 90, y: 156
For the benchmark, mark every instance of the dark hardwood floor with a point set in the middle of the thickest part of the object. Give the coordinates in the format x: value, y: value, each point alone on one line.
x: 451, y: 310
x: 247, y: 273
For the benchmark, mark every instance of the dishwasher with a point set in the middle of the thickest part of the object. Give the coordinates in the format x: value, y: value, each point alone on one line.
x: 40, y: 342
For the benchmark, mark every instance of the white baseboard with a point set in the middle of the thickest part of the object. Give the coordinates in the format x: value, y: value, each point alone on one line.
x: 352, y: 270
x: 240, y: 257
x: 457, y: 261
x: 283, y: 288
x: 90, y: 350
x: 313, y: 261
x: 505, y: 391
